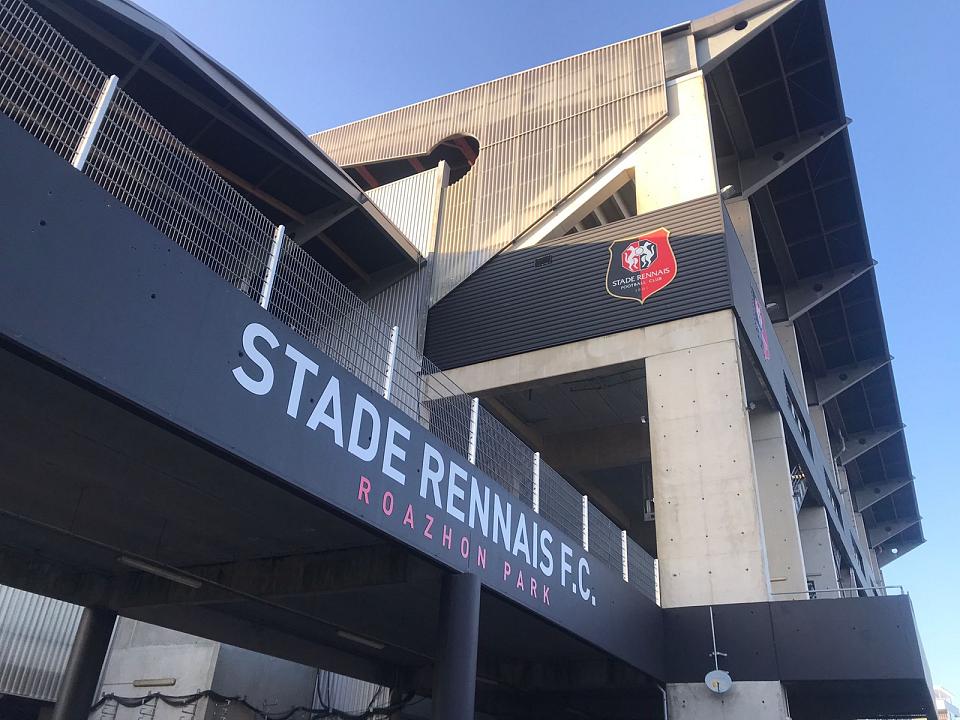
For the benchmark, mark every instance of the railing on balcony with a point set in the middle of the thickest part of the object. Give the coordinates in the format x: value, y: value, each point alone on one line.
x: 56, y: 94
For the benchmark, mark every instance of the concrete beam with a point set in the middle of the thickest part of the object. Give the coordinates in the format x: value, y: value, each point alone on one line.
x: 296, y: 575
x: 874, y: 492
x: 540, y: 367
x: 807, y: 294
x: 841, y: 378
x: 859, y: 443
x: 773, y: 160
x: 883, y: 532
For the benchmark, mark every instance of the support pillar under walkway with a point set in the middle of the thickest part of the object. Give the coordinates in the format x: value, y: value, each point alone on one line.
x: 83, y: 667
x: 455, y: 670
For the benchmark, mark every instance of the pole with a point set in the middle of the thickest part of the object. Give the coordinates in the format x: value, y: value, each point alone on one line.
x: 455, y: 668
x: 273, y: 263
x: 94, y: 123
x: 472, y: 439
x: 83, y: 667
x: 391, y: 362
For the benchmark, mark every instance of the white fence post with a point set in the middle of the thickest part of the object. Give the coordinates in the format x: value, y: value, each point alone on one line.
x: 586, y: 523
x: 391, y: 362
x: 623, y: 554
x: 536, y: 482
x: 276, y: 247
x: 474, y: 430
x: 94, y: 123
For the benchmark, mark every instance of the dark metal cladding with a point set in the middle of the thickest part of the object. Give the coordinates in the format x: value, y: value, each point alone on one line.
x: 555, y: 292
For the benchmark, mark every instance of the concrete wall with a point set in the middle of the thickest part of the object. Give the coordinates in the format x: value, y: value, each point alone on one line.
x: 818, y: 550
x: 165, y: 661
x: 778, y: 510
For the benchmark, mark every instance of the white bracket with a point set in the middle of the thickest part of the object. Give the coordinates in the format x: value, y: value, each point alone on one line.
x: 536, y: 483
x: 586, y: 523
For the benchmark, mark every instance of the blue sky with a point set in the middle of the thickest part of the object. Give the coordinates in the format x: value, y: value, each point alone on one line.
x: 326, y: 63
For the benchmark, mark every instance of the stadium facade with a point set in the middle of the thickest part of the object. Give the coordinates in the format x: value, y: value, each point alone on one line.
x: 564, y: 395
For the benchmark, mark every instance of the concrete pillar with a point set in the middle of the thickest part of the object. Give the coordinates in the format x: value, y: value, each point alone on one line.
x: 756, y: 700
x: 818, y: 550
x: 83, y: 667
x: 777, y: 508
x: 455, y: 669
x: 709, y: 532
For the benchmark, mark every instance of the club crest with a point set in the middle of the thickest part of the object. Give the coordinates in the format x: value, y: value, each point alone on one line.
x: 641, y: 266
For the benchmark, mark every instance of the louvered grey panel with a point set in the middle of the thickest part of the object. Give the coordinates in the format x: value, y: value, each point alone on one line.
x: 36, y: 634
x: 542, y: 133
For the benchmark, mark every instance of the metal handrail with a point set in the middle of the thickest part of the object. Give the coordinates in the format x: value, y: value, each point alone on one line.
x: 807, y: 593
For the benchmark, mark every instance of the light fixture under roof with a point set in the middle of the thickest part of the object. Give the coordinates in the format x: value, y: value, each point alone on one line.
x: 159, y: 571
x: 360, y: 640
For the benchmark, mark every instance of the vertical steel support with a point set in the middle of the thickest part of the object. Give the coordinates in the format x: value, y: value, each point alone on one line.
x: 536, y: 482
x: 391, y: 362
x: 586, y: 523
x: 94, y: 123
x: 273, y: 262
x: 474, y: 430
x: 455, y: 667
x: 83, y: 668
x: 623, y: 554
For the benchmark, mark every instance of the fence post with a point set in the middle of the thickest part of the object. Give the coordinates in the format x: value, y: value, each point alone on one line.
x: 94, y: 123
x: 536, y: 482
x: 391, y: 362
x: 474, y: 429
x: 586, y: 523
x: 623, y: 554
x: 276, y: 247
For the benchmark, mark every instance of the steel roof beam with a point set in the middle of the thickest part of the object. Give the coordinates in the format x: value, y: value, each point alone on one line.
x: 859, y: 443
x: 810, y: 292
x: 731, y: 108
x: 872, y: 493
x: 883, y: 532
x: 839, y: 379
x: 321, y: 220
x: 775, y: 159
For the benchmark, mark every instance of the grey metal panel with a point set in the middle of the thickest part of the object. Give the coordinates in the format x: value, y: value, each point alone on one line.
x: 542, y: 133
x: 36, y: 634
x: 414, y: 205
x: 555, y: 292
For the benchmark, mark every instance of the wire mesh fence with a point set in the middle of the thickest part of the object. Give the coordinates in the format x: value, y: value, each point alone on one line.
x: 51, y: 90
x: 140, y: 163
x: 47, y: 86
x: 641, y: 569
x: 560, y: 502
x: 502, y: 455
x: 604, y: 538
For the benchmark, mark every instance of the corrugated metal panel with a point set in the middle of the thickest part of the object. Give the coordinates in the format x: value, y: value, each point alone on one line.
x: 36, y: 634
x: 413, y: 204
x: 542, y: 133
x: 512, y: 306
x: 349, y: 695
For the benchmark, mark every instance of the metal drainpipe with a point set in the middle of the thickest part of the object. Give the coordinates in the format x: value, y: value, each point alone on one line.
x: 663, y: 691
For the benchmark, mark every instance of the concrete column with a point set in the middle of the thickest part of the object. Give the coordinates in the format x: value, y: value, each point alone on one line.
x: 818, y: 550
x: 709, y: 532
x: 781, y: 532
x: 756, y: 700
x: 455, y: 669
x: 83, y: 667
